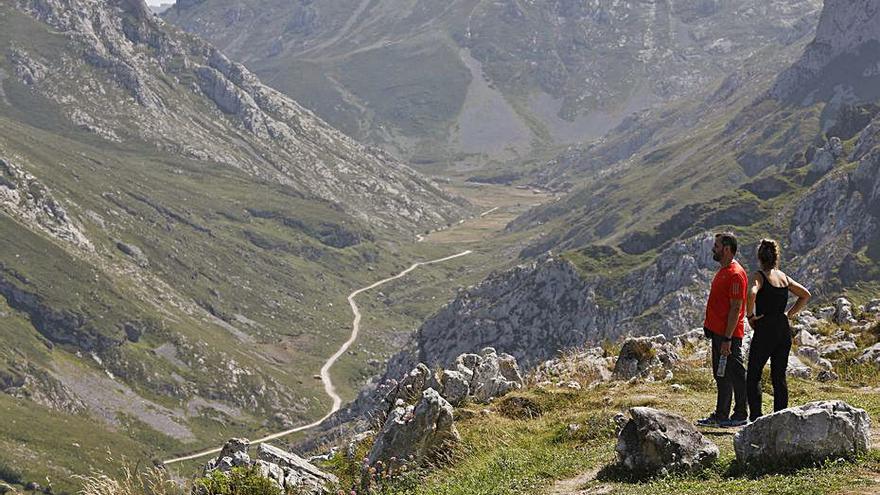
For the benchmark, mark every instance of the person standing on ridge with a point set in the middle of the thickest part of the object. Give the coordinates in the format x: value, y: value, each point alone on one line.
x: 724, y: 325
x: 767, y: 315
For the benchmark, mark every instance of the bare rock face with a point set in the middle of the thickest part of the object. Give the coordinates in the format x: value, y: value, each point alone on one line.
x: 415, y: 433
x: 657, y: 442
x: 845, y: 27
x: 809, y: 433
x: 639, y: 356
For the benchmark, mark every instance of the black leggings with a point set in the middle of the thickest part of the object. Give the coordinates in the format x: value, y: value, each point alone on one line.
x: 772, y: 340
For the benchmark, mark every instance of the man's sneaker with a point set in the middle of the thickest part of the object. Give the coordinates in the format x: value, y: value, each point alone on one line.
x: 712, y: 421
x: 733, y: 423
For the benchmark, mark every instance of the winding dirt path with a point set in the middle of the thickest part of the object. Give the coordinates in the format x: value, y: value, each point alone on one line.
x: 329, y: 388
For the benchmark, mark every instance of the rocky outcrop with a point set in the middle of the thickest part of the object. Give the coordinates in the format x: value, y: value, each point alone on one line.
x: 26, y: 198
x: 641, y: 356
x: 657, y: 442
x: 534, y: 310
x: 414, y: 434
x: 233, y: 454
x: 809, y: 433
x: 299, y: 476
x: 289, y: 472
x: 494, y: 375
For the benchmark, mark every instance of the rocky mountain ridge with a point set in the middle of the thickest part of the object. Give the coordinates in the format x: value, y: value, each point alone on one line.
x: 476, y: 80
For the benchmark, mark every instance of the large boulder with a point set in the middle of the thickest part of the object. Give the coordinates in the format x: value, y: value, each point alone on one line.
x: 639, y: 356
x: 417, y: 433
x: 657, y: 442
x: 495, y: 375
x: 809, y: 433
x: 298, y: 474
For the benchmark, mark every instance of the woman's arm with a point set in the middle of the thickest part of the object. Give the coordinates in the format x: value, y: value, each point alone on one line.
x: 754, y: 287
x: 803, y: 295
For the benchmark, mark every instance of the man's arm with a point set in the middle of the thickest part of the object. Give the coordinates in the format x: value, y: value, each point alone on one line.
x: 733, y: 317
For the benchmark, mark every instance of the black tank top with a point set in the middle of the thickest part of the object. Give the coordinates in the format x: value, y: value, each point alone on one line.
x: 770, y: 300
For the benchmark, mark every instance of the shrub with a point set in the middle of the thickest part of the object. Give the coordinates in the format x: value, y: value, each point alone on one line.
x: 237, y: 481
x: 9, y: 474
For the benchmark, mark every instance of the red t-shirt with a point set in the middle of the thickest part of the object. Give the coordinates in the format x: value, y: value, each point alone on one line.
x: 729, y: 283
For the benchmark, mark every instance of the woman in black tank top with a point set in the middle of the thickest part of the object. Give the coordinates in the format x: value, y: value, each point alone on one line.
x: 766, y: 311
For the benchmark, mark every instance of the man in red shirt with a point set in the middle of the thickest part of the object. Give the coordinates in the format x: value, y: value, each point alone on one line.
x: 724, y: 325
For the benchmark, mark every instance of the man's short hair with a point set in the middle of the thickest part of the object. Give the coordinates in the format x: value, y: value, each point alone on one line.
x: 727, y: 239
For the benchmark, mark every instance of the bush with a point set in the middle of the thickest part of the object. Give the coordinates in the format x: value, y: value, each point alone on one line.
x: 9, y: 474
x: 238, y: 481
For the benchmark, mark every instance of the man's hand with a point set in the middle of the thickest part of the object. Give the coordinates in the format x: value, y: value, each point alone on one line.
x: 725, y: 348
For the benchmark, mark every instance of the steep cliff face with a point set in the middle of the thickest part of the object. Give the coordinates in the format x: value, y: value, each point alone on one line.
x: 846, y: 50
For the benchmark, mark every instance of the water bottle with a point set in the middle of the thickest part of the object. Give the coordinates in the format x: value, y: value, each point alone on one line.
x: 722, y: 366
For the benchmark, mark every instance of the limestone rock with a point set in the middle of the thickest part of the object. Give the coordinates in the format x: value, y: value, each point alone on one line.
x: 455, y: 387
x: 827, y: 376
x: 641, y: 355
x: 495, y: 376
x: 843, y: 312
x: 297, y: 473
x: 233, y: 454
x: 873, y: 307
x: 809, y: 433
x: 412, y: 385
x: 466, y: 364
x: 655, y: 441
x: 798, y: 369
x: 806, y: 339
x: 871, y: 355
x: 837, y: 348
x: 809, y: 353
x: 418, y: 432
